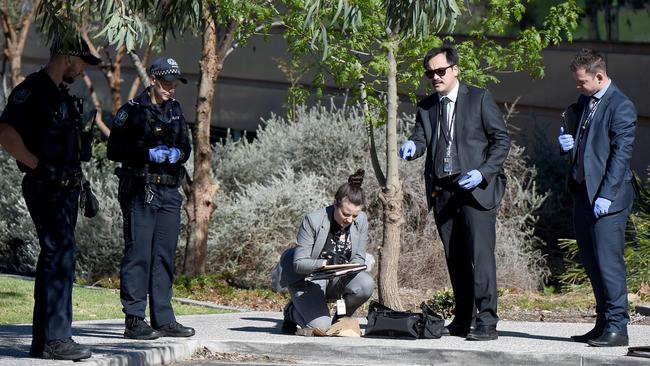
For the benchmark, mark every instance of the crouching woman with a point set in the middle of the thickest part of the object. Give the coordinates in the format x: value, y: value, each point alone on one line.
x: 336, y: 234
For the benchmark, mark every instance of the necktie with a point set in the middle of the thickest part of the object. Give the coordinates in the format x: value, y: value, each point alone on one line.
x: 590, y: 111
x: 444, y: 117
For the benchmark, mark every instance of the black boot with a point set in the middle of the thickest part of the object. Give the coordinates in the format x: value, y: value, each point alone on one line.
x: 65, y: 349
x: 36, y: 349
x: 137, y: 328
x: 288, y: 325
x: 175, y: 329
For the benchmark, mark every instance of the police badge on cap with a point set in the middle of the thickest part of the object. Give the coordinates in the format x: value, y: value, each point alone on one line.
x: 75, y: 46
x: 166, y: 68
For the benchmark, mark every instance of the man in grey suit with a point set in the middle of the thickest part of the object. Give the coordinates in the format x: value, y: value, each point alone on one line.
x: 600, y: 148
x: 464, y: 136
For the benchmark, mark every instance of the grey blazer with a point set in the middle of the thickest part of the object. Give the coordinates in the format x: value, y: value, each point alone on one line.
x: 298, y: 262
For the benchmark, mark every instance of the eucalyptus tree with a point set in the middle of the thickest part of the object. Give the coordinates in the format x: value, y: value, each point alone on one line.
x: 222, y: 25
x: 16, y: 18
x: 375, y: 48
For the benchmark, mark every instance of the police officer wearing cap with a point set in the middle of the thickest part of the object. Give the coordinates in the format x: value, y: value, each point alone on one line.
x: 150, y: 139
x: 42, y: 129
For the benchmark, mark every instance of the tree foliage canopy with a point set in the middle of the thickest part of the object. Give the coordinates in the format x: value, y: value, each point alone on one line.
x: 133, y: 23
x: 344, y: 41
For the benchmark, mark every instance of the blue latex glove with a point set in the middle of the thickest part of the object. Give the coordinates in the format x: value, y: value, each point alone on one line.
x: 174, y: 155
x: 601, y: 207
x: 471, y: 179
x: 407, y: 150
x: 565, y: 140
x: 158, y: 154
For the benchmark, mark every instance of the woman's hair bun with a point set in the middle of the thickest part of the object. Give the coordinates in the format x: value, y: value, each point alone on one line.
x: 356, y: 179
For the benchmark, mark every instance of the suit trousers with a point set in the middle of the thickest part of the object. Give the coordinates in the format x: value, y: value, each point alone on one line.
x: 54, y: 211
x: 468, y: 234
x: 309, y: 298
x: 601, y: 243
x: 150, y: 237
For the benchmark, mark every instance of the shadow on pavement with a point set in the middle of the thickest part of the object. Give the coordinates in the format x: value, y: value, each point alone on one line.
x: 533, y: 336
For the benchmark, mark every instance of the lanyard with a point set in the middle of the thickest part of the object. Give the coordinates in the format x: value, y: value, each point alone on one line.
x: 449, y: 135
x: 590, y: 114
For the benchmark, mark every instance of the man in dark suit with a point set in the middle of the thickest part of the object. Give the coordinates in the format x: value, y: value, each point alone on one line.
x: 602, y: 185
x: 464, y: 136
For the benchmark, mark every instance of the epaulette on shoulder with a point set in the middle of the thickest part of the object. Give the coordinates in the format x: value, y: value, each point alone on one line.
x: 133, y: 102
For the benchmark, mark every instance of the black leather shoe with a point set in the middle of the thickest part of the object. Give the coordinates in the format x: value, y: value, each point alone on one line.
x: 288, y: 325
x: 36, y: 349
x: 483, y: 333
x: 175, y: 329
x: 609, y: 339
x: 454, y: 329
x: 65, y: 349
x: 35, y: 352
x: 138, y: 328
x: 592, y: 334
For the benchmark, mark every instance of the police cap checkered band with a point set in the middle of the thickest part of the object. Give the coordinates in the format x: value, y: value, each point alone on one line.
x: 75, y: 46
x: 166, y: 68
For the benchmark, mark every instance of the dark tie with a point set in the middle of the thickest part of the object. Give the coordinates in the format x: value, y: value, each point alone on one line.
x: 590, y: 110
x: 444, y: 120
x: 579, y: 169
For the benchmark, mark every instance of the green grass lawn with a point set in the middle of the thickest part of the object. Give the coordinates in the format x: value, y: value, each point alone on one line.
x: 17, y: 303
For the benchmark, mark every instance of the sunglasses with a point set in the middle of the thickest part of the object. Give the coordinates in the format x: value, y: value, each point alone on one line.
x: 440, y: 72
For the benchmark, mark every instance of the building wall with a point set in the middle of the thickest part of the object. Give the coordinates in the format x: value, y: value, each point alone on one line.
x: 251, y: 87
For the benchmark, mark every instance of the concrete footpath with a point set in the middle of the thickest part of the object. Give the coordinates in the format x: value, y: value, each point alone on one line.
x: 258, y: 334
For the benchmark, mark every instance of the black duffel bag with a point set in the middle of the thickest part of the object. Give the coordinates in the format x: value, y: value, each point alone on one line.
x: 384, y: 322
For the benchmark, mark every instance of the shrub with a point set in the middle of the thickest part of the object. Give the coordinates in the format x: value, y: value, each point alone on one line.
x: 636, y: 254
x: 252, y: 226
x: 100, y: 242
x: 289, y: 163
x: 18, y: 242
x: 99, y: 239
x: 442, y: 302
x: 268, y: 185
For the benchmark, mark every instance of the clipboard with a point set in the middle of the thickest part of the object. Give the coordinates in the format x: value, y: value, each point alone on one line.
x: 329, y: 273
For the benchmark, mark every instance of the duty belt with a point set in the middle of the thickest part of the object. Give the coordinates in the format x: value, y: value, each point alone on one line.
x: 63, y: 179
x: 162, y: 179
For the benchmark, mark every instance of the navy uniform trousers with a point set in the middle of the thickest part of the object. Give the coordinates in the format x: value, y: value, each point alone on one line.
x: 150, y: 238
x: 54, y: 212
x: 601, y: 243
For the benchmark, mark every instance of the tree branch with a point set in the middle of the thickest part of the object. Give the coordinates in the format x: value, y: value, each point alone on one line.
x: 136, y: 82
x: 139, y: 67
x: 99, y: 120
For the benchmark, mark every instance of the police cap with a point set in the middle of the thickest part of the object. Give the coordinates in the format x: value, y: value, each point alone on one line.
x: 76, y: 46
x: 166, y: 68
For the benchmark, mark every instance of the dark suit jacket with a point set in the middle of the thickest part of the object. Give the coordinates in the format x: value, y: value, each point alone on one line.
x: 609, y: 148
x: 482, y: 139
x: 298, y: 262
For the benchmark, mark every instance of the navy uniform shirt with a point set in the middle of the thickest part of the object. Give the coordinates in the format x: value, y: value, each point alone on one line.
x: 45, y: 117
x: 140, y: 125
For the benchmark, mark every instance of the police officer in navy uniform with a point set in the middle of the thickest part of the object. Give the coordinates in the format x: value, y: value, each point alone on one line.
x: 150, y: 139
x: 42, y: 129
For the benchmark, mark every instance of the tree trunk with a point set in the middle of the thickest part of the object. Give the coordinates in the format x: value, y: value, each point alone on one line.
x: 114, y: 78
x: 99, y: 120
x: 391, y: 196
x: 370, y: 131
x: 15, y: 42
x: 140, y: 68
x: 200, y: 200
x: 141, y: 71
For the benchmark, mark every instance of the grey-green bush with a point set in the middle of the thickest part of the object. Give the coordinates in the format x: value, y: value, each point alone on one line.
x: 265, y: 189
x: 99, y: 240
x: 290, y: 163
